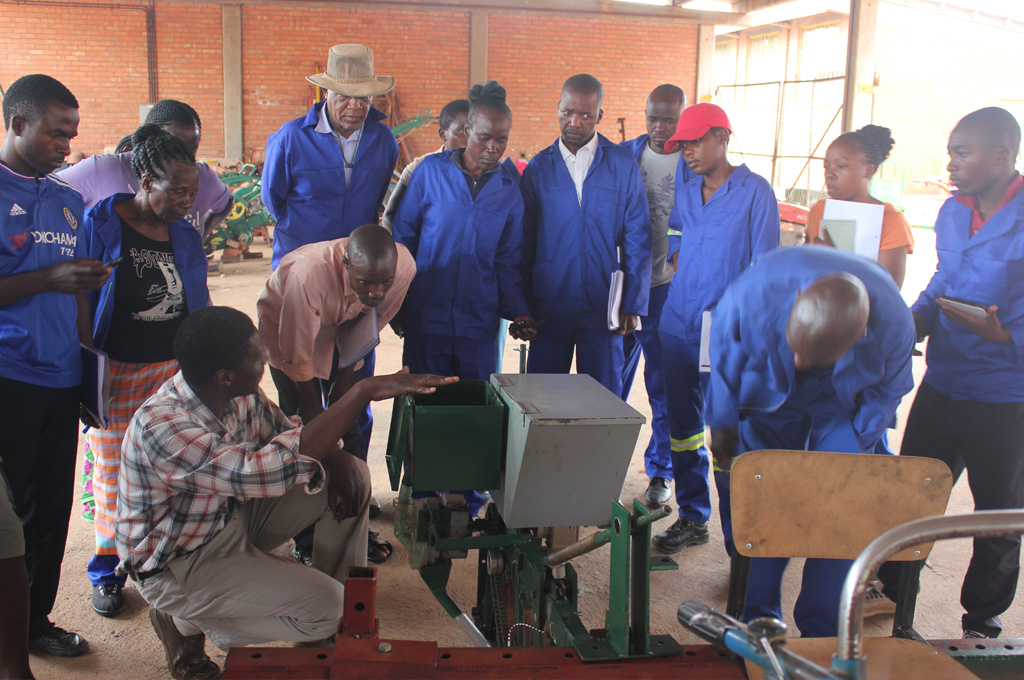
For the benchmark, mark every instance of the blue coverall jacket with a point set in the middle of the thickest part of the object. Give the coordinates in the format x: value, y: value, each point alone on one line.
x: 102, y: 232
x: 752, y: 368
x: 303, y: 183
x: 569, y: 246
x: 717, y: 241
x: 467, y: 250
x: 988, y: 269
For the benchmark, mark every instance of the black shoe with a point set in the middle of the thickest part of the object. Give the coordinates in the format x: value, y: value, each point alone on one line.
x: 682, y: 534
x: 107, y: 599
x: 59, y: 642
x: 303, y: 554
x: 659, y: 491
x: 375, y: 509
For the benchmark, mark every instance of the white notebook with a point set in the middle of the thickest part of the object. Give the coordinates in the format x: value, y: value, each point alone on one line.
x: 868, y: 216
x: 96, y: 384
x: 357, y: 337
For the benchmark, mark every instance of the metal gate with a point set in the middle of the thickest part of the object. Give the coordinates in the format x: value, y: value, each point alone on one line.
x: 782, y: 129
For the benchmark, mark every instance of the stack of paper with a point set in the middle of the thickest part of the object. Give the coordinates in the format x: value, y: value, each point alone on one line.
x: 867, y: 232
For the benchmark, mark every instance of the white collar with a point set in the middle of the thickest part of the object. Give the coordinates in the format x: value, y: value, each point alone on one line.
x: 590, y: 146
x: 324, y: 125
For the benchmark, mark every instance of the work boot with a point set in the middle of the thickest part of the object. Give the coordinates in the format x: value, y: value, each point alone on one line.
x: 186, y: 654
x: 682, y: 534
x: 659, y: 491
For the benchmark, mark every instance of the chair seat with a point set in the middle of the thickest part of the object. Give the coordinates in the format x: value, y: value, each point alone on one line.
x: 888, y: 659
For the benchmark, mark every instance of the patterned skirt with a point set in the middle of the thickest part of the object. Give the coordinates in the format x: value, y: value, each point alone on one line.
x: 130, y: 385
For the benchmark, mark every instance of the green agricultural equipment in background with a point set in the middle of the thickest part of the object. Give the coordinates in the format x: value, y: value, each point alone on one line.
x: 248, y: 218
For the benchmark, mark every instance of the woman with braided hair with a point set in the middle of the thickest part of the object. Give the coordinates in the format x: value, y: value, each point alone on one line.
x: 103, y: 175
x: 850, y: 163
x: 161, y: 278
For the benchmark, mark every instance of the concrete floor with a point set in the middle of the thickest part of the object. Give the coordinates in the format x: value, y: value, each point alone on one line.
x: 126, y: 647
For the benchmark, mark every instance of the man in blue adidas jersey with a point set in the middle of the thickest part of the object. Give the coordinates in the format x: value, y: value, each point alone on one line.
x: 43, y: 316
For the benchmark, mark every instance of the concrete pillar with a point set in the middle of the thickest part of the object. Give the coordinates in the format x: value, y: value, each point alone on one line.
x: 860, y: 64
x: 705, y: 57
x: 231, y: 36
x: 477, y: 47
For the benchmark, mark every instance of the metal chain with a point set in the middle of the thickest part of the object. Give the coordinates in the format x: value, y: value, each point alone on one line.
x: 498, y: 605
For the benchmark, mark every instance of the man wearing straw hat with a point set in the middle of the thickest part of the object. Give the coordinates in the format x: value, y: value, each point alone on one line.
x: 326, y: 173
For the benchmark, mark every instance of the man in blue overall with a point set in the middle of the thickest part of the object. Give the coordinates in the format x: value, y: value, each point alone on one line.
x: 810, y: 350
x: 586, y: 216
x: 43, y: 317
x: 326, y: 173
x: 725, y: 217
x: 969, y: 411
x: 662, y: 171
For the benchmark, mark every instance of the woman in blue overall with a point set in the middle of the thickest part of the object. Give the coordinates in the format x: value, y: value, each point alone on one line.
x: 462, y: 219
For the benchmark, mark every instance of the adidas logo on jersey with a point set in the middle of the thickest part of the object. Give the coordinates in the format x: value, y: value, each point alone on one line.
x: 17, y: 210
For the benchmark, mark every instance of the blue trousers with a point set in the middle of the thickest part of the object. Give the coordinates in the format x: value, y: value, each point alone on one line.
x: 598, y: 350
x: 658, y: 456
x: 684, y: 392
x: 468, y: 358
x: 812, y: 419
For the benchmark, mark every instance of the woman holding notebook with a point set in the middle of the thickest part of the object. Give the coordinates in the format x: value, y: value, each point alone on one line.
x: 850, y: 163
x: 159, y: 278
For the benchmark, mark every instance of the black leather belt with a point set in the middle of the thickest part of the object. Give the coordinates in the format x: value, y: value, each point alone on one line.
x: 141, y: 576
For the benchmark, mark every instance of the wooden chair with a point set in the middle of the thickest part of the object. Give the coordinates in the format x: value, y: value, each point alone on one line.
x: 831, y: 505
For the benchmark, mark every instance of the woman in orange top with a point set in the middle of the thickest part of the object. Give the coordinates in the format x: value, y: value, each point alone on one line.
x: 850, y: 162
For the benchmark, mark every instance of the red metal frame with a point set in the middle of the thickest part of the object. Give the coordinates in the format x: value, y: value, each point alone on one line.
x: 360, y: 653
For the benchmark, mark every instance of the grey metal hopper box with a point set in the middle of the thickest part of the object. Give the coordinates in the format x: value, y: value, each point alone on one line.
x: 569, y: 444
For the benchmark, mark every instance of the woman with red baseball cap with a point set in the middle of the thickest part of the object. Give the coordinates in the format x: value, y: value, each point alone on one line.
x: 723, y: 218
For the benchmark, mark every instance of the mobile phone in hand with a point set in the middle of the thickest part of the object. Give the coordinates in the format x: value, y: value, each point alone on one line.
x: 113, y: 263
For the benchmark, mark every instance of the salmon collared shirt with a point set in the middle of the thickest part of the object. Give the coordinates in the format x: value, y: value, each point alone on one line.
x: 308, y: 298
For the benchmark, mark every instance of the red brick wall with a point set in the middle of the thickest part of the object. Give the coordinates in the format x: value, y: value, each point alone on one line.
x: 191, y: 66
x: 426, y: 51
x: 101, y: 55
x: 532, y: 55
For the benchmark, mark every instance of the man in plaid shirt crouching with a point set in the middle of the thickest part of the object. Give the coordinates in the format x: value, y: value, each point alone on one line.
x: 214, y: 475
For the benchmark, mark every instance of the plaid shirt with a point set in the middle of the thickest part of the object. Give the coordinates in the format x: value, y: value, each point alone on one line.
x: 183, y: 469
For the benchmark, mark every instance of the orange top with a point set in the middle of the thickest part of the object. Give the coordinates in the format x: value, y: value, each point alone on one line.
x: 895, y: 228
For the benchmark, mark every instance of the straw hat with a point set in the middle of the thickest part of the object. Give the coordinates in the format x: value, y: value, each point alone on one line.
x: 350, y: 73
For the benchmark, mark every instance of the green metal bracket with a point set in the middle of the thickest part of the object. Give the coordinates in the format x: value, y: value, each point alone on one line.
x: 436, y: 577
x: 617, y: 619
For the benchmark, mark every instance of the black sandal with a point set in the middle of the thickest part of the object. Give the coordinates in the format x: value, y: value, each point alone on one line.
x: 375, y: 545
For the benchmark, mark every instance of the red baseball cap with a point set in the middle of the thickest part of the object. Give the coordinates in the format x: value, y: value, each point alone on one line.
x: 695, y: 122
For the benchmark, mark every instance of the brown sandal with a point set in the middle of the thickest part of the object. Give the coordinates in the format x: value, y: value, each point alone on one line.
x: 378, y: 550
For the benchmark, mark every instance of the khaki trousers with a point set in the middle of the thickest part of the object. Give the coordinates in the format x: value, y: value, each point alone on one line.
x: 236, y: 593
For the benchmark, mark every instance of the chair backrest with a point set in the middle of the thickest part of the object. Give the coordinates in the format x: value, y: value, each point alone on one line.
x: 830, y: 505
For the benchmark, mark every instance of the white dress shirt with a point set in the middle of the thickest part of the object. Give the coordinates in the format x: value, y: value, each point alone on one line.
x: 578, y: 164
x: 348, y: 145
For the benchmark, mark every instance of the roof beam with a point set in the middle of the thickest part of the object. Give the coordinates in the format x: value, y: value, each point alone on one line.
x: 552, y: 7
